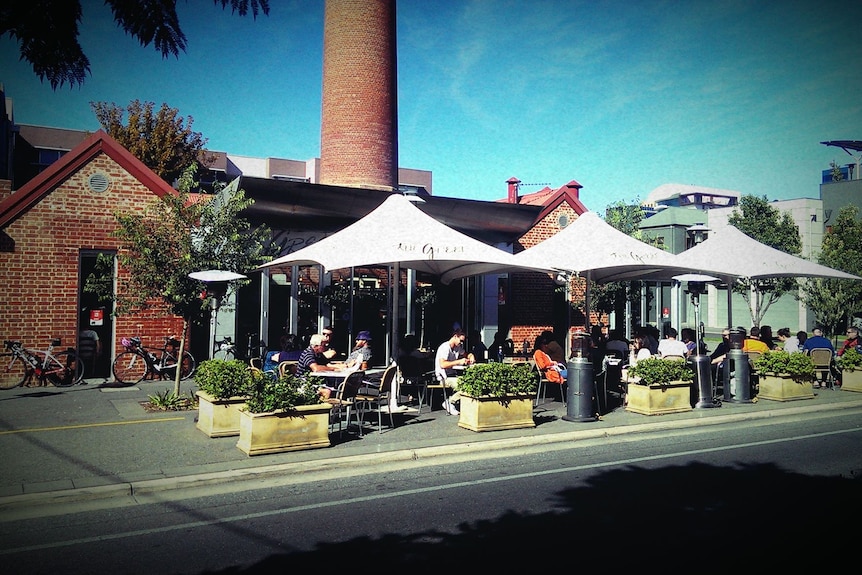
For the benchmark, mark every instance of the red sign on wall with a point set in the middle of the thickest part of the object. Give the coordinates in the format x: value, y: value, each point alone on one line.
x: 97, y: 317
x: 665, y: 313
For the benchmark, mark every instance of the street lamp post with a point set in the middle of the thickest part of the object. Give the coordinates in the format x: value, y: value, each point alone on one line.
x: 216, y: 282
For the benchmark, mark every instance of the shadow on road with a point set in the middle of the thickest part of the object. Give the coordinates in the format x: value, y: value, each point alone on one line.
x: 697, y: 518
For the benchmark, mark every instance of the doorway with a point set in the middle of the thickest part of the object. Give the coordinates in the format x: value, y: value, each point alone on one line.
x: 94, y: 315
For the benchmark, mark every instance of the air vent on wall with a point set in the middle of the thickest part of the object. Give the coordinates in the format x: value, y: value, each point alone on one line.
x: 98, y: 182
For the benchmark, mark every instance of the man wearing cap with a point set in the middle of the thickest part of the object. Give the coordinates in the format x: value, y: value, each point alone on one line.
x: 361, y: 351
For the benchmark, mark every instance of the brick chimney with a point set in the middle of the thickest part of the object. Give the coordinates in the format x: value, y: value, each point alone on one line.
x: 513, y: 190
x: 575, y: 188
x: 359, y: 115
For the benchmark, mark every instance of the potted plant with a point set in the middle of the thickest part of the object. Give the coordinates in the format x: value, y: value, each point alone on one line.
x: 785, y: 376
x: 283, y: 414
x: 657, y: 386
x: 497, y: 396
x: 221, y: 393
x: 850, y: 364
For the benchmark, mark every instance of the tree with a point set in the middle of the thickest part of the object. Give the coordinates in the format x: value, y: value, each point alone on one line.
x: 756, y: 218
x: 160, y: 140
x: 835, y: 302
x: 174, y: 237
x: 47, y: 31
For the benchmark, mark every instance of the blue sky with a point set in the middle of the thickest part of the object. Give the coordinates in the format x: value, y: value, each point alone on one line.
x: 621, y: 96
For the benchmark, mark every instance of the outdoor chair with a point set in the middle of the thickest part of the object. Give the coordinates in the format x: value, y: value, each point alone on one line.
x: 427, y: 391
x: 610, y: 376
x: 544, y: 382
x: 375, y: 396
x: 415, y: 375
x: 286, y: 367
x: 822, y: 358
x: 344, y: 400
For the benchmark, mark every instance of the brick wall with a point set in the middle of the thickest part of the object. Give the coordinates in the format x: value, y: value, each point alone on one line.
x: 40, y: 283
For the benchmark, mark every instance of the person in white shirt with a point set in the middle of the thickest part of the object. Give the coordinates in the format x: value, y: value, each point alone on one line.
x: 789, y: 341
x: 670, y: 345
x: 451, y: 354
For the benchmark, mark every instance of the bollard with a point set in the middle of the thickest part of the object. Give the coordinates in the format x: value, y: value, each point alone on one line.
x: 703, y: 376
x: 581, y: 389
x: 741, y: 374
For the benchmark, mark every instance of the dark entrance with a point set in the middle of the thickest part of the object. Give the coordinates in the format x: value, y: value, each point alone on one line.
x: 94, y: 316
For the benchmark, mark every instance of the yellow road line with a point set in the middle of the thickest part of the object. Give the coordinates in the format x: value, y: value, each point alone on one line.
x: 83, y: 425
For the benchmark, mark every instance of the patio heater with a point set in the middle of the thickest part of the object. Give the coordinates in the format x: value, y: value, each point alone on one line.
x: 737, y: 372
x: 702, y: 371
x: 216, y: 282
x: 580, y: 383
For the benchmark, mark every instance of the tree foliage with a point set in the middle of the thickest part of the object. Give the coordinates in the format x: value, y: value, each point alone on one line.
x: 173, y: 238
x: 47, y: 31
x: 836, y: 302
x: 159, y: 140
x: 757, y: 219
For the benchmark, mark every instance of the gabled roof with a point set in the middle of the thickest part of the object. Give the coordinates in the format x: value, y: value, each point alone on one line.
x: 549, y: 199
x: 31, y: 193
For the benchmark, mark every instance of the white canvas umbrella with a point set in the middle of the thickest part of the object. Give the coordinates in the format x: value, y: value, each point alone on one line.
x: 729, y: 254
x: 590, y: 247
x: 399, y: 234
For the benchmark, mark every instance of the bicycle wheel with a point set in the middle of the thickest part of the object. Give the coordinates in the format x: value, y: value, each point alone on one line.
x: 189, y: 366
x: 224, y: 354
x: 64, y: 368
x: 168, y: 361
x: 129, y: 368
x: 13, y: 371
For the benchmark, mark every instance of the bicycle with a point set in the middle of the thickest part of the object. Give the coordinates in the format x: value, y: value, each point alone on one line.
x: 226, y: 349
x: 138, y: 362
x: 20, y: 364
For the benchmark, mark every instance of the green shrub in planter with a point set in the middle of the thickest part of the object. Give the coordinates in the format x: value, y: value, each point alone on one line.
x: 498, y: 380
x: 850, y: 359
x: 799, y: 366
x: 658, y: 371
x: 266, y: 394
x: 222, y: 379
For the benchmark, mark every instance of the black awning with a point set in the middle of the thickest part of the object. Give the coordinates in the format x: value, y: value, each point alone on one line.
x: 845, y: 145
x: 282, y: 204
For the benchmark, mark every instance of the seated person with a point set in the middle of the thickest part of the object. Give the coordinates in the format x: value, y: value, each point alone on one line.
x: 308, y: 365
x: 555, y: 350
x: 670, y: 345
x: 550, y: 369
x: 289, y: 352
x: 361, y: 352
x: 450, y: 354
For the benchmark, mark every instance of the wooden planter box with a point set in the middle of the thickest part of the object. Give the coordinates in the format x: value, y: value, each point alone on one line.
x: 490, y: 414
x: 304, y: 427
x: 218, y: 417
x: 851, y: 380
x: 659, y: 399
x: 783, y: 388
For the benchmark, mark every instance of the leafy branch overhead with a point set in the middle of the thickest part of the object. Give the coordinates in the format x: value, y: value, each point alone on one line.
x: 47, y: 31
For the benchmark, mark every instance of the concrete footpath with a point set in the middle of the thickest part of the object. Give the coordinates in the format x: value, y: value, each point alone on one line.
x: 94, y: 441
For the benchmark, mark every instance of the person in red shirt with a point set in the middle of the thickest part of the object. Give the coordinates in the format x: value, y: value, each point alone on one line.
x: 851, y: 342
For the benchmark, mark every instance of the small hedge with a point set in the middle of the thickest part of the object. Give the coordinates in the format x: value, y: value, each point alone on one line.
x: 266, y: 394
x: 222, y: 379
x: 799, y: 366
x: 498, y: 380
x: 658, y: 371
x: 850, y: 359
